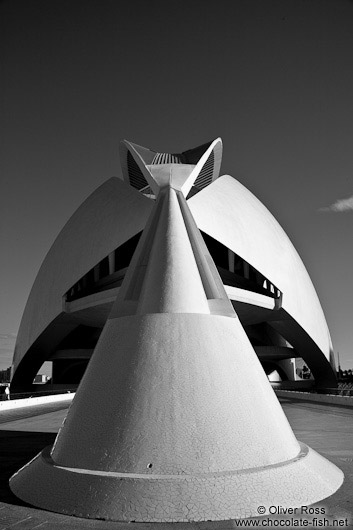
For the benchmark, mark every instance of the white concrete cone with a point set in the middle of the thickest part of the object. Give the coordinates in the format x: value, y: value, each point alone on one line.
x: 174, y: 419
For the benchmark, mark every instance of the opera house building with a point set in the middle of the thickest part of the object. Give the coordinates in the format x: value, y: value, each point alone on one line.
x: 174, y: 296
x: 262, y: 273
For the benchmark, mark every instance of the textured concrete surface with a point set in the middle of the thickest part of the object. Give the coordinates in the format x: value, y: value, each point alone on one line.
x: 172, y: 410
x: 176, y: 498
x: 328, y: 429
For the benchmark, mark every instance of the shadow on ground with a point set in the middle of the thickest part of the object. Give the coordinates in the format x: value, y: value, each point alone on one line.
x: 16, y: 449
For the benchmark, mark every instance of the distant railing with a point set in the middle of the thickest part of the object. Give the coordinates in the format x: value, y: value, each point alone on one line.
x: 26, y: 395
x: 332, y: 391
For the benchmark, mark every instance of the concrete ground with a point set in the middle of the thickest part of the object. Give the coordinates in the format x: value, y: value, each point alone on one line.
x: 326, y: 428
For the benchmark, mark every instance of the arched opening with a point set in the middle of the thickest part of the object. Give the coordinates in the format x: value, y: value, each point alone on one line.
x: 107, y: 274
x: 274, y: 372
x: 236, y: 272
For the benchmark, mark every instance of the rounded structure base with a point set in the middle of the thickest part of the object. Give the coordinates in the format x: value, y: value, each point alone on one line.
x: 306, y: 479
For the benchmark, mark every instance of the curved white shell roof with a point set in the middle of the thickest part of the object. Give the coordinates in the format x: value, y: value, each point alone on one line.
x: 107, y: 218
x: 231, y: 214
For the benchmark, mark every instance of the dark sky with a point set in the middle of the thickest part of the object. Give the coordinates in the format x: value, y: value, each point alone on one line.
x: 274, y: 79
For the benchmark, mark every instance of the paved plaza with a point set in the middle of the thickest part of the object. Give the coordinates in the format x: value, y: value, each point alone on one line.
x: 327, y: 429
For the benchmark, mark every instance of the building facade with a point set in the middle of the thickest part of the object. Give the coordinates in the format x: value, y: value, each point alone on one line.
x: 263, y: 275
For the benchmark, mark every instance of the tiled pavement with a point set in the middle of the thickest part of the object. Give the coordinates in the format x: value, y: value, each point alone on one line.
x: 327, y: 429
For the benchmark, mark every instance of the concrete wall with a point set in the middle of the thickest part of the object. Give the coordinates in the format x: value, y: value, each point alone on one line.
x: 15, y: 404
x: 345, y: 401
